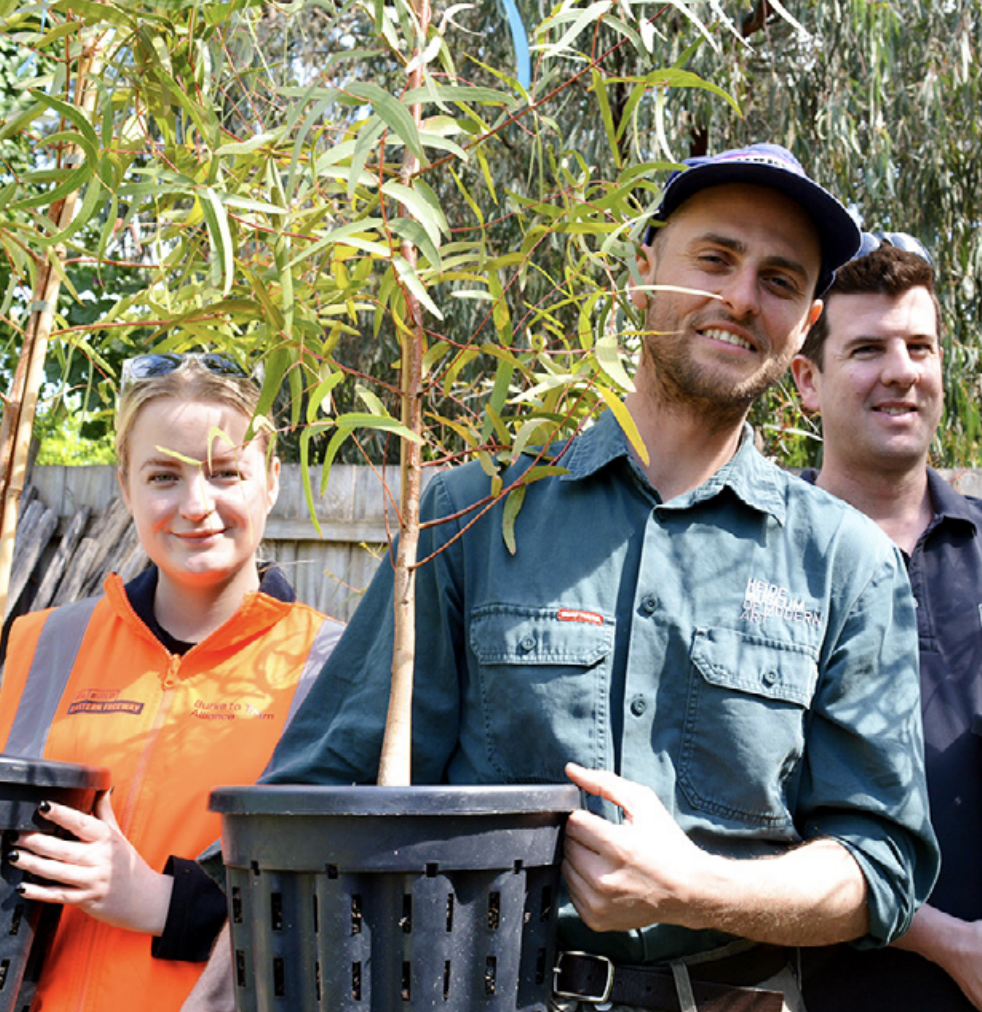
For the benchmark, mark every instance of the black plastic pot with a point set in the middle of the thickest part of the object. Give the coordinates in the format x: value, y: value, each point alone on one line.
x: 349, y: 899
x: 26, y: 926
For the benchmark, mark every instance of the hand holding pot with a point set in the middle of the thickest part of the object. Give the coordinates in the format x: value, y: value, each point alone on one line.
x: 99, y: 871
x: 646, y: 870
x: 627, y: 876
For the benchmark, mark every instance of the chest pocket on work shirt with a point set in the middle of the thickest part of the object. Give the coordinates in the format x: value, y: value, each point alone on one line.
x: 542, y: 676
x: 743, y: 735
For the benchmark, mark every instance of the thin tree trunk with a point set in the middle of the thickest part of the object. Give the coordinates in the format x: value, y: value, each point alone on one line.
x: 20, y: 404
x: 395, y: 767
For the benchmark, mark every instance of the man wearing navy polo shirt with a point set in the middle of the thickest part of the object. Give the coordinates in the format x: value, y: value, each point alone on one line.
x: 872, y: 368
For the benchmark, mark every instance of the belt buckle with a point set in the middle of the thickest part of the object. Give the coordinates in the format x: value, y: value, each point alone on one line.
x: 602, y: 1000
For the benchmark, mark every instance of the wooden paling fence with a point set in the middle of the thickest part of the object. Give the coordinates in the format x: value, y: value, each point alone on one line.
x: 51, y: 570
x: 73, y: 529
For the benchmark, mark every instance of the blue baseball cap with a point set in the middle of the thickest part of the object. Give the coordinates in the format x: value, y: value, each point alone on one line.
x: 773, y: 166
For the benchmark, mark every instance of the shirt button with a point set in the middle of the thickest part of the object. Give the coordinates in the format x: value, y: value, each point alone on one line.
x: 638, y: 705
x: 649, y: 603
x: 528, y: 643
x: 771, y: 677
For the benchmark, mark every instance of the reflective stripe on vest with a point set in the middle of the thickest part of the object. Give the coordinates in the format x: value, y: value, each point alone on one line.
x: 51, y: 667
x: 323, y: 646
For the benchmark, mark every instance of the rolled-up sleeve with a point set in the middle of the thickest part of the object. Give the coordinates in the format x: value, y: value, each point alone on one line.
x: 863, y: 782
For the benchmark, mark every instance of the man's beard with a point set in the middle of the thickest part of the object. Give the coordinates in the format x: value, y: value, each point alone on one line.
x: 681, y: 383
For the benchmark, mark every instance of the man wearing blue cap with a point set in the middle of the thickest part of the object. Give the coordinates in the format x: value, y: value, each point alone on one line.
x: 872, y: 368
x: 723, y: 658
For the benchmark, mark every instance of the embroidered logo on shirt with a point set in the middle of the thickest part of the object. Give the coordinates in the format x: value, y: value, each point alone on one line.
x: 103, y: 701
x: 763, y: 600
x: 574, y: 615
x: 228, y: 711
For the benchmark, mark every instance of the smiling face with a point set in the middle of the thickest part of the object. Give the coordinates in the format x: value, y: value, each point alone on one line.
x: 749, y: 258
x: 199, y: 500
x: 879, y: 390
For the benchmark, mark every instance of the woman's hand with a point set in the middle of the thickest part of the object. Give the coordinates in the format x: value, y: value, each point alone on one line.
x: 99, y: 872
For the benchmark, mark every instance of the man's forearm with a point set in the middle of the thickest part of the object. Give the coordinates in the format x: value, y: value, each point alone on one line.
x: 812, y: 895
x: 953, y: 944
x: 939, y: 937
x: 645, y: 870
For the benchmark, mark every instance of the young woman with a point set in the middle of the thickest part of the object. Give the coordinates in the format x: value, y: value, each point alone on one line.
x: 179, y: 681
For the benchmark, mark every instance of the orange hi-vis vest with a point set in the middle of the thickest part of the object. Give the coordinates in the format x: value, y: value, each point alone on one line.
x: 90, y: 683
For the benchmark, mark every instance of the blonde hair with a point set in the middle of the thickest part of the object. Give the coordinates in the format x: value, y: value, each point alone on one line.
x: 190, y: 381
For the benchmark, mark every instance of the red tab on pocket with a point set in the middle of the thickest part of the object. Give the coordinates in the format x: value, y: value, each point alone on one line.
x: 575, y: 615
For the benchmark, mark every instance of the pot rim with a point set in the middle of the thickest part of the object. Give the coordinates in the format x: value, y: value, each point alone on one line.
x: 49, y: 773
x: 320, y: 799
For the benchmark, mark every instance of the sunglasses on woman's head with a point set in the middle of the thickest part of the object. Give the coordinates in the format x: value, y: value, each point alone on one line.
x: 142, y: 367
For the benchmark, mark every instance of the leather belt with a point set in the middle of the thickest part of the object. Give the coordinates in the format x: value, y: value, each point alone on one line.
x: 721, y: 985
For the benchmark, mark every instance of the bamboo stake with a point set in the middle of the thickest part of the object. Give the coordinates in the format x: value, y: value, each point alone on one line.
x: 19, y: 407
x: 395, y: 765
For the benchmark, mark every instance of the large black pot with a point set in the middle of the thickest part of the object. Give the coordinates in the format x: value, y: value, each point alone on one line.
x: 350, y: 899
x: 26, y: 926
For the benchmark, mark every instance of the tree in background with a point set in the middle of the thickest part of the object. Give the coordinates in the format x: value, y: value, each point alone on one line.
x: 877, y: 99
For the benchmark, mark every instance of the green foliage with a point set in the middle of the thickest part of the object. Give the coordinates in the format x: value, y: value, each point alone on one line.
x: 423, y: 253
x: 69, y: 436
x: 240, y: 187
x: 243, y: 185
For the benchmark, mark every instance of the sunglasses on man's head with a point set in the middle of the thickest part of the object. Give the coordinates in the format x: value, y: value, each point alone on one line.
x: 900, y: 240
x: 142, y: 367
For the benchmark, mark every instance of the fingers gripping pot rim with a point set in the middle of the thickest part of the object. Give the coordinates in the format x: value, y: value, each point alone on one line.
x: 27, y: 926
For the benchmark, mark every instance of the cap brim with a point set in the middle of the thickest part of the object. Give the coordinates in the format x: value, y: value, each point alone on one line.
x: 838, y: 233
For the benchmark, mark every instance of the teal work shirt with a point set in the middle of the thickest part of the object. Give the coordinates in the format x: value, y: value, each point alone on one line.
x: 748, y: 650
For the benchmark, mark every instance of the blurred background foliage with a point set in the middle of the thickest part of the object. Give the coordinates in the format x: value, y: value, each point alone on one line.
x: 239, y: 188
